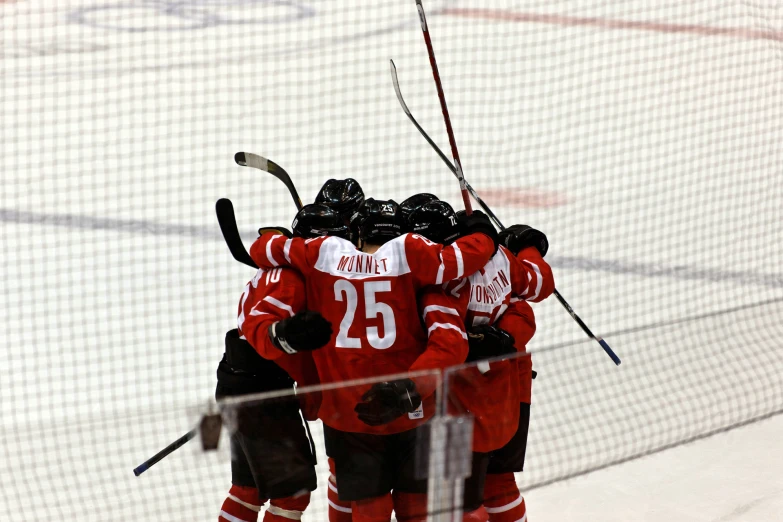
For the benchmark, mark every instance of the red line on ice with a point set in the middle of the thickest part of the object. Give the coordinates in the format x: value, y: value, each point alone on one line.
x: 604, y: 23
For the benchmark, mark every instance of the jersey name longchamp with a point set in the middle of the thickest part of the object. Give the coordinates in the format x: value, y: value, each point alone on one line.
x: 492, y: 291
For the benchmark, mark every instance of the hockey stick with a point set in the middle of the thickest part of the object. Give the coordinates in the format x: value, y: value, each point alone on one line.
x: 147, y: 464
x: 228, y: 226
x: 444, y: 109
x: 445, y: 159
x: 492, y: 215
x: 248, y: 159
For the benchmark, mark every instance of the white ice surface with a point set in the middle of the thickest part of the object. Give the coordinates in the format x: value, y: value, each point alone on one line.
x: 732, y: 476
x: 119, y: 126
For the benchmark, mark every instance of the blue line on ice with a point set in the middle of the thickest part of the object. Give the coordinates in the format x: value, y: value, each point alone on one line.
x: 654, y: 270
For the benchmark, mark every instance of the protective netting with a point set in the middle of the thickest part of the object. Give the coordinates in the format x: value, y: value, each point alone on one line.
x: 643, y: 139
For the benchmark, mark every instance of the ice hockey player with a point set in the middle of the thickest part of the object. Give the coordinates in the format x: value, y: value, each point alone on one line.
x: 270, y: 349
x: 502, y: 498
x: 494, y: 396
x: 371, y: 294
x: 344, y: 196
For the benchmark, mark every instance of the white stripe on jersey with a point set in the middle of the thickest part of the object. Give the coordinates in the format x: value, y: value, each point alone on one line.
x: 446, y: 326
x: 539, y: 280
x: 438, y: 308
x: 501, y: 311
x: 441, y: 269
x: 241, y: 318
x: 269, y: 256
x: 460, y: 264
x: 287, y: 250
x: 491, y: 286
x: 281, y: 305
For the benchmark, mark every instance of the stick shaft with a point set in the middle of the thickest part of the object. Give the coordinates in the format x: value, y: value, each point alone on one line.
x: 491, y: 214
x: 164, y: 452
x: 444, y: 108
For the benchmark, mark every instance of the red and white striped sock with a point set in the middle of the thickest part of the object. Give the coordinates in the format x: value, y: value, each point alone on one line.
x: 339, y: 510
x: 502, y: 499
x: 241, y: 505
x: 288, y: 508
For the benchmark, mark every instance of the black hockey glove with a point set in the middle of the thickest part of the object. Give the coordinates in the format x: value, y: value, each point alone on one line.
x: 477, y: 222
x: 304, y: 332
x: 387, y: 401
x: 485, y: 342
x: 518, y: 237
x: 279, y: 230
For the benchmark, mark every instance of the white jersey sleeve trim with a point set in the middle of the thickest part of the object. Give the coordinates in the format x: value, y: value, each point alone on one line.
x: 269, y: 256
x: 287, y: 250
x: 460, y: 263
x: 438, y: 308
x: 281, y: 305
x: 441, y: 269
x: 447, y: 326
x: 539, y: 280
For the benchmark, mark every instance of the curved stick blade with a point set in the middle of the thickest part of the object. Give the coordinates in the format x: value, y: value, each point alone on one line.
x: 228, y: 226
x: 396, y: 84
x: 248, y: 159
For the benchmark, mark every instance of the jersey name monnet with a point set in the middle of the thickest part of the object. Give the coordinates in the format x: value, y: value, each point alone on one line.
x: 341, y: 259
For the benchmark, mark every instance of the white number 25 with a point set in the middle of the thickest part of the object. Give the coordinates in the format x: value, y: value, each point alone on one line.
x: 345, y: 291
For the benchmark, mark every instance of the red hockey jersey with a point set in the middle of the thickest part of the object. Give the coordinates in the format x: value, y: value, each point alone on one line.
x: 447, y: 341
x: 500, y: 288
x: 271, y: 296
x: 370, y: 300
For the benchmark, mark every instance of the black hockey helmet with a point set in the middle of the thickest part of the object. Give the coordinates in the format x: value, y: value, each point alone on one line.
x: 436, y: 221
x: 378, y: 220
x: 343, y: 195
x: 319, y: 220
x: 415, y: 201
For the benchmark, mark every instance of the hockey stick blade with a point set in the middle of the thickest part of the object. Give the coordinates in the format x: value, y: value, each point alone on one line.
x: 248, y: 159
x: 587, y: 330
x: 228, y: 226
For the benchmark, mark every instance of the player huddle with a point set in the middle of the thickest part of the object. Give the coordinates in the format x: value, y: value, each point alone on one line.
x: 364, y: 288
